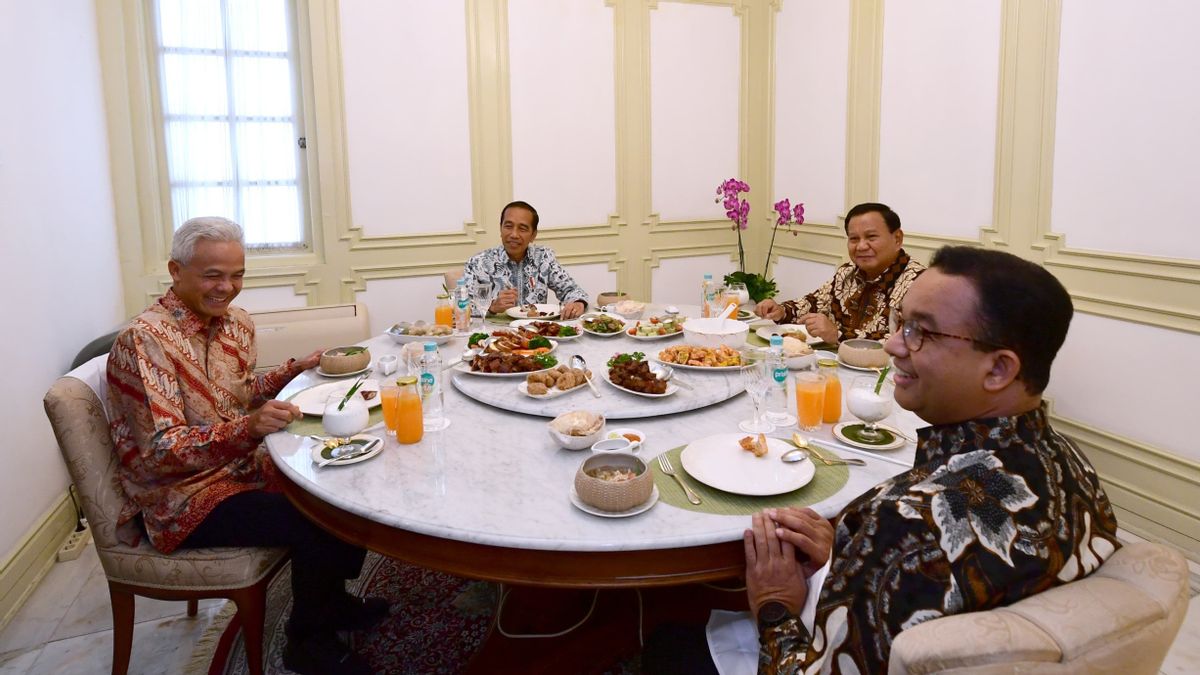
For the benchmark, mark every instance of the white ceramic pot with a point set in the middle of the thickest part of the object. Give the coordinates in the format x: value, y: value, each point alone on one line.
x: 712, y: 332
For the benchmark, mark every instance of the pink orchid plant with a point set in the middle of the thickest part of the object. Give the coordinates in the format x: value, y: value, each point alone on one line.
x: 787, y: 218
x: 737, y: 210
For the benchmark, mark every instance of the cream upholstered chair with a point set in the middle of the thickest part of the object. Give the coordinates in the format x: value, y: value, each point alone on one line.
x: 1120, y: 619
x: 80, y: 423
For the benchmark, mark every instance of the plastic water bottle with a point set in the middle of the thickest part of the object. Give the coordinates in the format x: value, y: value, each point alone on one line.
x: 777, y: 398
x: 433, y: 398
x: 708, y: 295
x: 461, y: 301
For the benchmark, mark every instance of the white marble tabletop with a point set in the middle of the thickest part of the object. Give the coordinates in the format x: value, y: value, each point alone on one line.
x: 496, y: 477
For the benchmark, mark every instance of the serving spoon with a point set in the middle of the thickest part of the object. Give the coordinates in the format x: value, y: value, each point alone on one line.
x: 577, y: 361
x: 802, y: 452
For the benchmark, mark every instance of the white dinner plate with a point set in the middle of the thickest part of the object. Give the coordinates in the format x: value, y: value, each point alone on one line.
x: 710, y: 369
x: 898, y: 442
x: 352, y: 373
x: 545, y: 312
x: 320, y: 453
x: 312, y: 400
x: 525, y: 322
x: 861, y: 369
x: 765, y: 332
x: 584, y: 328
x: 671, y: 388
x: 554, y: 392
x: 644, y: 506
x: 404, y: 338
x: 553, y: 344
x: 632, y: 324
x: 720, y: 462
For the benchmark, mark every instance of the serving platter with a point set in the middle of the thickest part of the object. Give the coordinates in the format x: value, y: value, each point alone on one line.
x: 545, y: 312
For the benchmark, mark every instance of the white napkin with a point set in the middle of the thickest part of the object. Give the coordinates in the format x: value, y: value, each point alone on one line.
x: 733, y: 636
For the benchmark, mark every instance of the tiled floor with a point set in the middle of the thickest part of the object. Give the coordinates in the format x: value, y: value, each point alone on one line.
x: 66, y: 628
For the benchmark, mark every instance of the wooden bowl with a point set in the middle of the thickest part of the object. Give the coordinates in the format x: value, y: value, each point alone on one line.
x: 612, y: 495
x: 337, y: 362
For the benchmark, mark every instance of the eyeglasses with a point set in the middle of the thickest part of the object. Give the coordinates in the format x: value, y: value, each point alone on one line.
x: 914, y: 335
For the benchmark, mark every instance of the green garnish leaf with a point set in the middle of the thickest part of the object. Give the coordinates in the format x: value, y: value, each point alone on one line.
x: 882, y: 374
x: 351, y: 392
x: 539, y: 341
x: 567, y: 331
x: 545, y: 360
x: 476, y: 338
x: 625, y: 358
x: 354, y: 350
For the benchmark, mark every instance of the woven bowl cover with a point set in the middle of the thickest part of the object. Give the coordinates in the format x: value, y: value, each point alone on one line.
x: 335, y: 363
x: 609, y: 495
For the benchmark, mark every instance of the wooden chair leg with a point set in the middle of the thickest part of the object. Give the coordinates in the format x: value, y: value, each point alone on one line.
x: 252, y: 608
x: 193, y: 607
x: 122, y: 609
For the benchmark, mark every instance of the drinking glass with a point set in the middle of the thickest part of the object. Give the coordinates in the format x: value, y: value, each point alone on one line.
x: 389, y: 395
x: 866, y: 405
x: 758, y: 380
x: 739, y: 290
x: 481, y: 297
x: 344, y: 418
x: 810, y: 399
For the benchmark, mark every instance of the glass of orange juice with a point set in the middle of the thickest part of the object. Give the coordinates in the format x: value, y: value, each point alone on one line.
x: 409, y: 425
x: 833, y: 391
x: 389, y: 396
x: 810, y: 399
x: 443, y: 313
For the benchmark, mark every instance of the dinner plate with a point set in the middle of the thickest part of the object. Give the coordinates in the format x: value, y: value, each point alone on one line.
x: 546, y: 312
x: 404, y: 338
x: 555, y: 392
x: 711, y: 369
x: 632, y: 324
x: 720, y: 462
x: 765, y: 332
x: 898, y: 440
x: 466, y: 368
x: 671, y: 388
x: 644, y: 506
x: 521, y: 323
x: 862, y: 369
x: 584, y: 328
x: 352, y: 373
x: 747, y: 316
x: 312, y: 400
x: 553, y: 344
x: 320, y: 453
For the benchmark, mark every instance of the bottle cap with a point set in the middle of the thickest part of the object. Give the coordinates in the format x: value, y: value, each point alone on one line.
x: 776, y: 340
x: 708, y: 276
x: 431, y: 346
x: 827, y: 363
x: 407, y: 379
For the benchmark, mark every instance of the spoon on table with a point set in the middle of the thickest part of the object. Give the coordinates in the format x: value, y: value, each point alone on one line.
x: 577, y: 361
x: 804, y: 449
x: 471, y: 353
x: 669, y: 374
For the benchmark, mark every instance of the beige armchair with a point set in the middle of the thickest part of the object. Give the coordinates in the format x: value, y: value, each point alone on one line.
x: 77, y: 415
x: 1120, y: 619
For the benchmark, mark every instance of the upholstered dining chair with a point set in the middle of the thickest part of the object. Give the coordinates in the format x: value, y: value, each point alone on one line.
x: 1120, y: 619
x: 74, y: 406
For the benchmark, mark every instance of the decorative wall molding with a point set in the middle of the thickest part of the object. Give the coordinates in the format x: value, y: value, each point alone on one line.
x: 33, y: 556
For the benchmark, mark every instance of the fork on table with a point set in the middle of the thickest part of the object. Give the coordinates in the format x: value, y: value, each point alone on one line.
x: 664, y: 463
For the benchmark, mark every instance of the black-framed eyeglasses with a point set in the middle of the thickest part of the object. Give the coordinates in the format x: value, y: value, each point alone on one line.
x: 914, y: 335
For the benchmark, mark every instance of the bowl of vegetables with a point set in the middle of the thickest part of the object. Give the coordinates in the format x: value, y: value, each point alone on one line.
x: 603, y: 325
x: 656, y: 327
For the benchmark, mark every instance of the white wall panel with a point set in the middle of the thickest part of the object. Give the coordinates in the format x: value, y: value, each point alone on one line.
x: 269, y: 297
x: 560, y: 61
x: 694, y: 81
x: 677, y: 281
x: 812, y: 46
x: 1147, y: 394
x: 404, y: 68
x: 1126, y: 138
x: 595, y: 279
x: 400, y: 299
x: 797, y: 278
x: 938, y: 118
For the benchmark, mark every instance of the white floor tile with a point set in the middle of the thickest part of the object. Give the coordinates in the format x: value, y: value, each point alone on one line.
x: 39, y: 617
x: 18, y: 662
x: 159, y: 646
x: 1184, y: 656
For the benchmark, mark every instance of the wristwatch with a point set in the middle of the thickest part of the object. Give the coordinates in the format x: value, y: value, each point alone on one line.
x: 772, y: 613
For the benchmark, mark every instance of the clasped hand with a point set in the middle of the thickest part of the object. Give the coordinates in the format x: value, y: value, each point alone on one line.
x: 783, y: 548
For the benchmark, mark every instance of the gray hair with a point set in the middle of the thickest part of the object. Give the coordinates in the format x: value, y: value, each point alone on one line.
x: 211, y: 228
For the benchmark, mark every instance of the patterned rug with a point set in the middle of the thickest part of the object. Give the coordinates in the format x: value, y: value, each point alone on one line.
x: 438, y: 623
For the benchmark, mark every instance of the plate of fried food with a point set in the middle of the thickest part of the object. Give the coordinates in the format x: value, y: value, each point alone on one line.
x: 745, y: 465
x: 518, y: 341
x: 634, y: 374
x: 554, y: 382
x: 419, y: 331
x: 549, y: 329
x: 693, y: 357
x: 507, y: 364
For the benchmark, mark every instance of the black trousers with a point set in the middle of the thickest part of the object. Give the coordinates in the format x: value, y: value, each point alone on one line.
x: 320, y: 561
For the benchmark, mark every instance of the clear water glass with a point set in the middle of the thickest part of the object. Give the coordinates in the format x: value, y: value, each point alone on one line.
x: 481, y: 298
x: 758, y: 380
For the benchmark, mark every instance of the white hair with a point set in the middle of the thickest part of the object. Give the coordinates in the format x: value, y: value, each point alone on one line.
x: 211, y: 228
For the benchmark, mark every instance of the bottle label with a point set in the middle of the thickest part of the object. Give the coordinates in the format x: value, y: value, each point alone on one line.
x: 462, y: 303
x: 426, y: 384
x: 780, y: 375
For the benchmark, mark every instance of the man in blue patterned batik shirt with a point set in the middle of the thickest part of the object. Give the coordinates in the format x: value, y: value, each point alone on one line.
x: 522, y: 272
x: 997, y: 507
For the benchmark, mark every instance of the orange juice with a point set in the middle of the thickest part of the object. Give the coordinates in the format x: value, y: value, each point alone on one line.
x: 443, y: 312
x: 810, y: 400
x: 389, y: 395
x: 409, y: 425
x: 833, y: 392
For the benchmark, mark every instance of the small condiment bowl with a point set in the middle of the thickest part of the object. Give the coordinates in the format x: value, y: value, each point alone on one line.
x: 619, y: 444
x: 636, y: 437
x: 611, y: 495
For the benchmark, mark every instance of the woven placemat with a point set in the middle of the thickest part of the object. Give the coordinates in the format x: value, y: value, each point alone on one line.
x: 311, y: 424
x: 825, y: 483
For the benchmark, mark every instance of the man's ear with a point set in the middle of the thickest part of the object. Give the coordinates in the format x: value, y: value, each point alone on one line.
x: 173, y: 267
x: 1005, y: 368
x: 899, y: 237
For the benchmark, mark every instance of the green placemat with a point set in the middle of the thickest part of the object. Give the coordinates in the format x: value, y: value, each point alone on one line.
x: 825, y: 483
x: 501, y: 319
x: 311, y: 424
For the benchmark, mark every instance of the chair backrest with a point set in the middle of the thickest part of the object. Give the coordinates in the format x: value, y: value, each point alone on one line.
x: 451, y: 276
x: 80, y: 424
x: 1121, y: 619
x: 282, y: 334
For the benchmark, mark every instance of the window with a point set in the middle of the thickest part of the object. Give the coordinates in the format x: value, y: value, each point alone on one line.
x: 230, y: 102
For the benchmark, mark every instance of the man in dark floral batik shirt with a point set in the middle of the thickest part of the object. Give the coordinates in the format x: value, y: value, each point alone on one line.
x: 997, y: 507
x: 521, y: 272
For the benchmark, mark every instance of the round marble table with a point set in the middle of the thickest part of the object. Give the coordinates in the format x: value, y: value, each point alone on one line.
x: 488, y: 496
